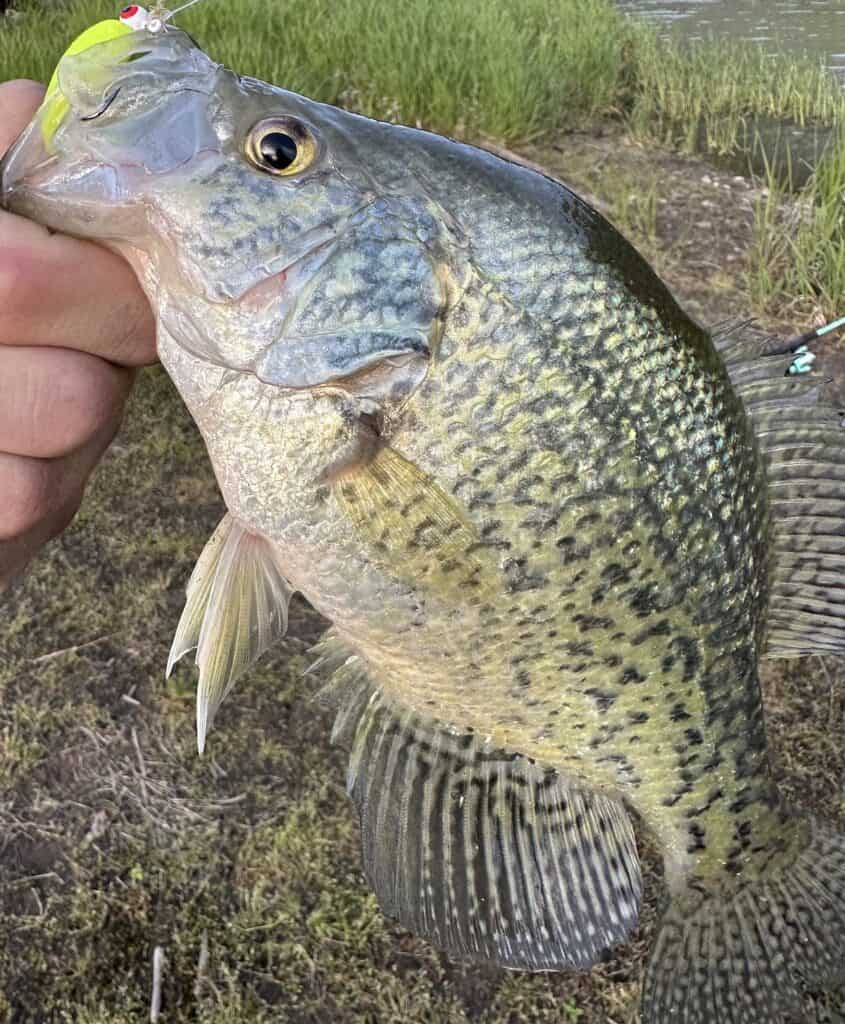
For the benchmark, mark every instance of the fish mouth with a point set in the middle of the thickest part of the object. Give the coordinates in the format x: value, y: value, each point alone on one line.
x: 83, y: 149
x: 10, y: 177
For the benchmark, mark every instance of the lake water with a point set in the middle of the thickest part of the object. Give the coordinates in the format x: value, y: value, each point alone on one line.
x: 816, y: 27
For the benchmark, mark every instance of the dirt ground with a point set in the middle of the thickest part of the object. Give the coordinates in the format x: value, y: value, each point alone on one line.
x: 243, y: 866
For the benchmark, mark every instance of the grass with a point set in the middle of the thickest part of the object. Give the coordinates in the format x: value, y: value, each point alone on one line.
x: 703, y: 96
x: 633, y: 210
x: 116, y: 838
x: 513, y: 71
x: 797, y: 265
x: 523, y: 72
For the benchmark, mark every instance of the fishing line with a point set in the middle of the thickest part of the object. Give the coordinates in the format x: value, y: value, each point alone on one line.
x: 804, y: 359
x: 184, y: 7
x: 160, y: 16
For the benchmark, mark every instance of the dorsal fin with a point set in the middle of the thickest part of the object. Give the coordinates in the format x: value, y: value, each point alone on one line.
x: 484, y: 853
x: 802, y: 439
x: 236, y: 607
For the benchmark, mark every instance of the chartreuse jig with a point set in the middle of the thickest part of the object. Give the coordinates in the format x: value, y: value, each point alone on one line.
x: 131, y: 19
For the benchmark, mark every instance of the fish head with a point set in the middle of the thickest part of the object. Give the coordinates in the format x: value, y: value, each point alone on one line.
x: 119, y: 117
x: 260, y: 234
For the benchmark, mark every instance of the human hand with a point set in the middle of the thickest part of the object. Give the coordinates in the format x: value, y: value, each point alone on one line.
x: 73, y: 325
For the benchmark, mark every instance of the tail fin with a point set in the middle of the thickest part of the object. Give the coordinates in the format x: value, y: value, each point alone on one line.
x: 745, y: 960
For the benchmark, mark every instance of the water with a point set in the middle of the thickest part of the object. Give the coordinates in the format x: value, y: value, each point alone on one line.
x: 815, y: 27
x: 812, y: 27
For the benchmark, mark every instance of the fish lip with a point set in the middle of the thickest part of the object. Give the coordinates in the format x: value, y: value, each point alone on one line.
x: 37, y: 181
x: 6, y: 161
x: 104, y: 106
x: 4, y: 192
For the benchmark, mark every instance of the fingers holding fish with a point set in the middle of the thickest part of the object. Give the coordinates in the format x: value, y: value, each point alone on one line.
x: 19, y: 99
x: 40, y: 497
x: 65, y: 293
x: 59, y: 291
x: 59, y: 407
x: 64, y: 303
x: 29, y: 489
x: 55, y: 401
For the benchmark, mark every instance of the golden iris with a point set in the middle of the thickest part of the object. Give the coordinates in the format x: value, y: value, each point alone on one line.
x: 281, y: 145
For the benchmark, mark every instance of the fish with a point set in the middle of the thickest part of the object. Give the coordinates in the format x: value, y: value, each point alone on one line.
x: 554, y: 522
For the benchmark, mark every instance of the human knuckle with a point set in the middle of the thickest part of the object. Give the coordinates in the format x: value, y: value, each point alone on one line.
x: 17, y: 92
x: 62, y: 515
x: 134, y: 335
x: 17, y: 281
x: 27, y: 490
x: 90, y: 402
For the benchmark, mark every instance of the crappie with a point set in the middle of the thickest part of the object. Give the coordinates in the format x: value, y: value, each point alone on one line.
x: 554, y: 524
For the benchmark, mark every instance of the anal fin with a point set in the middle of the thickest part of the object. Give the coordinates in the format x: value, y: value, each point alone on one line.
x: 487, y: 855
x: 236, y: 607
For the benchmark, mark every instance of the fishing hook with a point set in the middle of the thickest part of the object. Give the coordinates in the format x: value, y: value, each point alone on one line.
x: 105, y: 106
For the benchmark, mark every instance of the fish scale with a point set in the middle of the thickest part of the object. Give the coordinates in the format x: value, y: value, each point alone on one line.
x: 523, y: 713
x: 554, y: 523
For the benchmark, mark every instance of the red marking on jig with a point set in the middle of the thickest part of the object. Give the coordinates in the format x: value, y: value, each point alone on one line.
x: 135, y: 16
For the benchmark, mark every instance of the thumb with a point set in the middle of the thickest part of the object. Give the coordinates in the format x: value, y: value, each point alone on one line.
x: 19, y: 100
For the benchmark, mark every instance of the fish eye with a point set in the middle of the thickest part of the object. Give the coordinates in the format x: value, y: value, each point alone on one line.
x: 280, y: 145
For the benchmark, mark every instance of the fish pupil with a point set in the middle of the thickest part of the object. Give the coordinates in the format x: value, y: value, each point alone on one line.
x: 278, y: 150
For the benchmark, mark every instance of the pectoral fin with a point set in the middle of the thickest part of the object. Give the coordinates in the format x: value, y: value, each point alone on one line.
x: 236, y: 607
x: 413, y: 526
